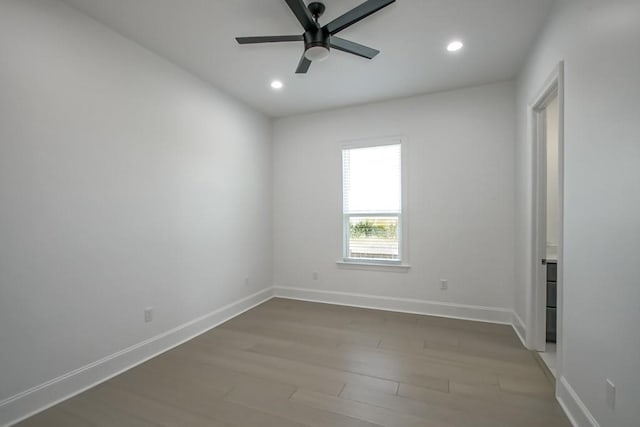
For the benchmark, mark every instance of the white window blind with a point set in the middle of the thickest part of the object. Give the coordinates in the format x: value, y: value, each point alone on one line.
x: 372, y: 202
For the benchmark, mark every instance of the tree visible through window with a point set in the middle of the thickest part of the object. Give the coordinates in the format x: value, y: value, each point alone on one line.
x: 372, y: 202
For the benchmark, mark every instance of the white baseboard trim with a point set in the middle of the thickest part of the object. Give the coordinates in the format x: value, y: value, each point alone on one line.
x: 43, y: 396
x: 519, y: 328
x: 403, y: 305
x: 573, y: 406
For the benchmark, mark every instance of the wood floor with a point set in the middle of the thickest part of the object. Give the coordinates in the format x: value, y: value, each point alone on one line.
x: 291, y: 363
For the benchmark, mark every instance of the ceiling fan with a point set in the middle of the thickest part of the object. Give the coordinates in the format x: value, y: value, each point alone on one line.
x: 319, y: 40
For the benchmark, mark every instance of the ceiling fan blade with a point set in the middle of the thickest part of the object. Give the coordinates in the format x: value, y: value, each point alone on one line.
x: 303, y: 14
x: 303, y: 65
x: 352, y: 47
x: 356, y: 14
x: 269, y: 39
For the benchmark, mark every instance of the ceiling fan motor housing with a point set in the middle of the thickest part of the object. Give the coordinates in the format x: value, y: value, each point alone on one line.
x: 316, y: 45
x: 316, y: 38
x: 320, y: 37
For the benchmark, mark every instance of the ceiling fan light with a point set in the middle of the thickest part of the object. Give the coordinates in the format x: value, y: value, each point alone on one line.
x: 317, y: 53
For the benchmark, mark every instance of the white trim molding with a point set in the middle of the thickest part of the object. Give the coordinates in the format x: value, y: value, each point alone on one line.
x: 552, y: 87
x: 573, y: 406
x: 43, y: 396
x: 520, y: 328
x: 359, y: 265
x: 403, y: 305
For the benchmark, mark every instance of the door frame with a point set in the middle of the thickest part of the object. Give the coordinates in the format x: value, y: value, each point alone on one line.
x: 536, y: 337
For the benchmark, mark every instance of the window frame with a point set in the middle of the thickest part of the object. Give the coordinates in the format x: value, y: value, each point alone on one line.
x: 402, y: 260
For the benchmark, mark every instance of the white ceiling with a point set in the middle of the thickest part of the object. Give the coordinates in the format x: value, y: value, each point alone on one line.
x: 411, y: 35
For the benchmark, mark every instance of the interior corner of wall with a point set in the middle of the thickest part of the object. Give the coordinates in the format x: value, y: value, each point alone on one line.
x: 520, y: 327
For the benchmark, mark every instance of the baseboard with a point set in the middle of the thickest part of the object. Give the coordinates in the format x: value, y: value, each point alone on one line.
x: 519, y: 328
x: 404, y: 305
x: 545, y: 369
x: 573, y: 406
x: 43, y: 396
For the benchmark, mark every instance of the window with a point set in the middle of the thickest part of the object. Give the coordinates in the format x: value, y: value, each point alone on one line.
x: 372, y: 203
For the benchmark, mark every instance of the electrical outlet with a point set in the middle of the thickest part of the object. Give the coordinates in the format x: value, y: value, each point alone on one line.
x: 315, y: 275
x: 148, y: 314
x: 611, y: 394
x: 444, y: 284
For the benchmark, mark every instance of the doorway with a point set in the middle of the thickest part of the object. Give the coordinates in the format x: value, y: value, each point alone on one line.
x: 546, y: 306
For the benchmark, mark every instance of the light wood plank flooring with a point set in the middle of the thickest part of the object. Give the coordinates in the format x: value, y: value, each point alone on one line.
x: 291, y: 363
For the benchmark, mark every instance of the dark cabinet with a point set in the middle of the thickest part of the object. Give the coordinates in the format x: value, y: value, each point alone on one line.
x: 552, y: 295
x: 552, y: 271
x: 552, y: 317
x: 552, y: 300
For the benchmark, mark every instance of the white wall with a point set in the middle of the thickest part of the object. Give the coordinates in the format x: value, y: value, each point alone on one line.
x: 124, y: 183
x: 459, y: 152
x: 599, y: 43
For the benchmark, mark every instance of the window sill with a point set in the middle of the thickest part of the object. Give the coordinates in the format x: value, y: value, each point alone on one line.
x: 363, y: 265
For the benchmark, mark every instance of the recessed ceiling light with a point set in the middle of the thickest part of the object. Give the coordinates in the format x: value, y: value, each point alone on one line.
x: 454, y: 46
x: 276, y: 84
